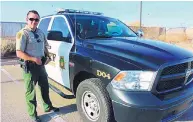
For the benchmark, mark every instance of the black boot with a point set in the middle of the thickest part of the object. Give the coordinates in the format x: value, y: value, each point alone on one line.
x: 52, y: 109
x: 36, y: 119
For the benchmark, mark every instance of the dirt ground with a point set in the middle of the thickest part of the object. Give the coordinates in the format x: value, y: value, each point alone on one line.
x: 186, y: 45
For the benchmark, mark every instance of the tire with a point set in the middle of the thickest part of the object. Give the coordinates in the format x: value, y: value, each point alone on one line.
x: 100, y: 110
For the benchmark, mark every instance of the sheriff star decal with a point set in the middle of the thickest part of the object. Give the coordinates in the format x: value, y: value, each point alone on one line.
x: 62, y: 63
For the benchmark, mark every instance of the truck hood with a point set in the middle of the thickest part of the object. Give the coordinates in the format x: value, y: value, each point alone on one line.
x: 149, y: 53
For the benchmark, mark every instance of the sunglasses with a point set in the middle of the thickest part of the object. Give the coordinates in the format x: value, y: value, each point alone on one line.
x: 36, y: 37
x: 34, y: 19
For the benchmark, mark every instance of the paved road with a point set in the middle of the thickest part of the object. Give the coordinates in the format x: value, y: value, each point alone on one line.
x: 13, y: 108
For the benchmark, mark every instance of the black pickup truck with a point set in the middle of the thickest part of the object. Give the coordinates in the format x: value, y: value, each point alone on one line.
x: 114, y: 74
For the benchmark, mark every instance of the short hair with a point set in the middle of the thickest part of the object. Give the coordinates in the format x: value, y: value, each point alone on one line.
x: 33, y: 11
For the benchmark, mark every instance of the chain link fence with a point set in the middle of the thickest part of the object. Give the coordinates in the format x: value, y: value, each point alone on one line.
x: 8, y: 32
x: 170, y: 35
x: 9, y: 29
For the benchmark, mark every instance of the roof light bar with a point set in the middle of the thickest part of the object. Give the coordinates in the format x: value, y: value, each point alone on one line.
x: 61, y: 11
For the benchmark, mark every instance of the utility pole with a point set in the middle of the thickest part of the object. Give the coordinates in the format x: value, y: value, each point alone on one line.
x: 140, y: 14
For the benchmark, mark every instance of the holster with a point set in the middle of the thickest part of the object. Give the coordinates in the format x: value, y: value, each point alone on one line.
x: 33, y: 68
x: 43, y: 59
x: 24, y: 65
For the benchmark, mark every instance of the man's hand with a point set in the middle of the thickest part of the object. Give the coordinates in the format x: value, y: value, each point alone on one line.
x: 38, y: 61
x: 26, y: 57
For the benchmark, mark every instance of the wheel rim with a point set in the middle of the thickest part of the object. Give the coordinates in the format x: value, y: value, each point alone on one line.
x: 90, y: 105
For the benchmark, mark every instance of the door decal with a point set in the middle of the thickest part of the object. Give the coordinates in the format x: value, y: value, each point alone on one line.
x: 62, y: 63
x: 53, y: 57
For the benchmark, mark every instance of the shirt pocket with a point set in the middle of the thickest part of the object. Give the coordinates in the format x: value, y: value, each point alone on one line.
x: 32, y: 44
x: 40, y: 46
x: 42, y: 41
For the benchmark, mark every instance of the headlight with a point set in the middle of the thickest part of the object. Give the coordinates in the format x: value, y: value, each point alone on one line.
x: 134, y: 80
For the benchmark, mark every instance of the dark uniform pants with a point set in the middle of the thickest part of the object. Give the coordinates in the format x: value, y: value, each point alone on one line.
x: 36, y: 74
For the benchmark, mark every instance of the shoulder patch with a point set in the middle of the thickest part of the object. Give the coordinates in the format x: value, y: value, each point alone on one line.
x: 19, y: 35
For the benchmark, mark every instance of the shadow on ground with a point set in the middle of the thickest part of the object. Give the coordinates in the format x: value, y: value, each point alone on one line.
x: 8, y: 81
x: 63, y: 110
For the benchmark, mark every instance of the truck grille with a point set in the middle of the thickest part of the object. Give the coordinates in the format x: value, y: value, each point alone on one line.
x: 192, y: 65
x: 175, y: 77
x: 190, y: 78
x: 170, y: 84
x: 180, y: 68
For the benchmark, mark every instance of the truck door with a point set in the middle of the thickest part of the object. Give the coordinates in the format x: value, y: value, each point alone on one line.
x: 58, y: 68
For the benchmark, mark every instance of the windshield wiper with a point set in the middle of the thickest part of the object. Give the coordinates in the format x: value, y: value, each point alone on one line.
x: 98, y: 36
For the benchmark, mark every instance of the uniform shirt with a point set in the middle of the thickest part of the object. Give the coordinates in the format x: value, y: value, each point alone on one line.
x: 31, y: 42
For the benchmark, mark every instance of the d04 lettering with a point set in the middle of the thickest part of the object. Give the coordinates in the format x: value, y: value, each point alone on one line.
x: 103, y: 74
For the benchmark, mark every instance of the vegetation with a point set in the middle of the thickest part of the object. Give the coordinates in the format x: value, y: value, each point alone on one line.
x: 8, y: 46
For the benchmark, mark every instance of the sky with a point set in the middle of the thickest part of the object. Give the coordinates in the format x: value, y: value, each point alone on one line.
x: 164, y: 13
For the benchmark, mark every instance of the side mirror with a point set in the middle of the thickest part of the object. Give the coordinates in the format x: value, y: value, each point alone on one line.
x: 140, y: 33
x: 55, y: 35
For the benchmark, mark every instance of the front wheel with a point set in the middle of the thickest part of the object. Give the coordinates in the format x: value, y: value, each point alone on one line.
x: 93, y: 101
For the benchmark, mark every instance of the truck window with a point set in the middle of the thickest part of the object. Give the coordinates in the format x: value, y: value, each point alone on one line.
x: 59, y: 24
x: 43, y: 25
x: 113, y: 29
x: 96, y: 26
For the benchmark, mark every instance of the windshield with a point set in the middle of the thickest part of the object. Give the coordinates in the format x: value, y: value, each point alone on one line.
x: 88, y: 27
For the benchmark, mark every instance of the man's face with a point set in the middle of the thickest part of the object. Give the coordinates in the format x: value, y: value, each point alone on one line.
x: 32, y: 20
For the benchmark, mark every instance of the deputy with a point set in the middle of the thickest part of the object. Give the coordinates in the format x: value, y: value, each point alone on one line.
x: 31, y: 47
